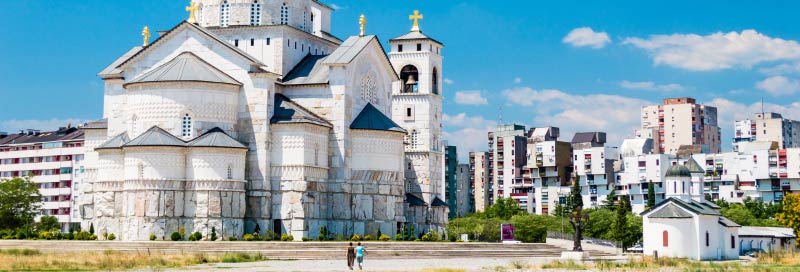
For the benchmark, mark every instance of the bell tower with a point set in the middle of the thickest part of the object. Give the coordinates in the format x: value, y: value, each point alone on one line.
x: 417, y: 107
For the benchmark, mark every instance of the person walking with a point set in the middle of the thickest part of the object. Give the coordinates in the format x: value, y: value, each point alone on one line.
x: 351, y: 255
x: 360, y: 255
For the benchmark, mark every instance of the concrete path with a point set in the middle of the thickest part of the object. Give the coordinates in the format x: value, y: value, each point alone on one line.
x: 468, y: 264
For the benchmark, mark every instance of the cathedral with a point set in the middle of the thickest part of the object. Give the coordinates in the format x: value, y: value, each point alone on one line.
x: 250, y: 115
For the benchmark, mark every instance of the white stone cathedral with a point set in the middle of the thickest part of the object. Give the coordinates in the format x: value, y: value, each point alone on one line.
x: 255, y: 115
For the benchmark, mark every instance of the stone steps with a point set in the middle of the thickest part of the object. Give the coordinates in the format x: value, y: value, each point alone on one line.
x: 304, y: 250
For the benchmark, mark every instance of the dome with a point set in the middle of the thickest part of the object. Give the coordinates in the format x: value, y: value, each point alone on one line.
x: 678, y: 171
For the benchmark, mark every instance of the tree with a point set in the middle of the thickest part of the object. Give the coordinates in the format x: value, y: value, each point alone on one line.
x: 619, y: 229
x: 575, y: 198
x: 790, y: 214
x: 504, y: 208
x: 610, y: 201
x: 19, y: 202
x: 577, y: 219
x: 48, y: 223
x: 651, y: 195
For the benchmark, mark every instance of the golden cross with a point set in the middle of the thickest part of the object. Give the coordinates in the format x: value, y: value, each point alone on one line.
x: 146, y: 34
x: 192, y: 8
x: 416, y: 17
x: 363, y: 22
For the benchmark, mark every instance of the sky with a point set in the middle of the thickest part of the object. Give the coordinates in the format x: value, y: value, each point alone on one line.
x: 577, y: 65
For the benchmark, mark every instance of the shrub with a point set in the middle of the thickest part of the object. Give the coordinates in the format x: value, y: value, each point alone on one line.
x: 232, y: 239
x: 257, y: 229
x: 287, y: 237
x: 398, y: 237
x: 175, y: 236
x: 70, y: 236
x: 91, y: 228
x: 368, y: 237
x: 82, y: 236
x: 323, y: 233
x: 459, y: 241
x: 111, y: 237
x: 306, y: 239
x: 249, y: 237
x: 384, y: 237
x: 426, y: 238
x: 196, y: 236
x: 152, y: 237
x: 213, y: 236
x: 355, y: 237
x: 92, y: 237
x: 182, y: 232
x: 48, y: 222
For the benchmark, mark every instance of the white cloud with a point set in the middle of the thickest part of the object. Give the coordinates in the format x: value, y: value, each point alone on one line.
x: 616, y: 115
x: 781, y: 69
x: 517, y: 80
x: 585, y: 36
x: 448, y: 81
x: 716, y: 51
x: 650, y: 86
x: 336, y: 7
x: 779, y: 85
x: 466, y: 132
x: 470, y: 98
x: 13, y: 126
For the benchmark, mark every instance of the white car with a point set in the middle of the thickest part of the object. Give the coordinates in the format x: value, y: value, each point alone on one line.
x: 636, y: 249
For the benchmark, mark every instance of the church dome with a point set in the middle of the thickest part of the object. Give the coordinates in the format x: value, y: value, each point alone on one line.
x: 678, y: 171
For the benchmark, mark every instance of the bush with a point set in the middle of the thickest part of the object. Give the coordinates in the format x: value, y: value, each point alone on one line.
x: 48, y: 222
x: 92, y: 237
x: 213, y: 236
x: 6, y: 234
x: 111, y: 237
x: 232, y: 239
x: 287, y: 237
x: 91, y: 228
x: 152, y: 237
x: 249, y: 237
x: 368, y: 237
x: 83, y: 236
x: 196, y: 236
x: 70, y: 236
x: 398, y: 237
x: 175, y: 236
x: 323, y: 233
x: 355, y: 237
x: 426, y: 238
x: 384, y: 237
x: 306, y: 239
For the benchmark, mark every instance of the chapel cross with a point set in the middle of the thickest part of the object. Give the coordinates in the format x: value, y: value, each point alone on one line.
x: 146, y: 35
x: 416, y: 17
x: 192, y: 8
x: 363, y: 22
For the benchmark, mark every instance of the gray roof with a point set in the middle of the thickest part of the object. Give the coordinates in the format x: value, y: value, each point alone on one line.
x: 373, y: 119
x: 693, y: 166
x: 703, y: 207
x: 155, y: 136
x: 115, y: 142
x: 287, y: 111
x: 437, y: 202
x: 309, y: 71
x: 186, y: 67
x: 215, y: 137
x: 777, y: 232
x: 678, y: 171
x: 413, y: 200
x: 727, y: 222
x: 346, y: 52
x: 584, y: 137
x: 99, y: 124
x: 670, y: 211
x: 415, y: 35
x: 112, y: 69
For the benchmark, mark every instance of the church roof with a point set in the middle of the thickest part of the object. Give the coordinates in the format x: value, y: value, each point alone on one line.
x: 112, y: 69
x: 693, y: 166
x: 415, y: 35
x: 373, y: 119
x: 186, y: 67
x: 155, y: 136
x: 413, y: 200
x: 678, y: 171
x: 215, y: 137
x: 287, y: 111
x: 670, y: 211
x: 727, y: 222
x: 438, y: 202
x: 348, y: 50
x: 309, y: 71
x: 696, y: 207
x: 115, y: 142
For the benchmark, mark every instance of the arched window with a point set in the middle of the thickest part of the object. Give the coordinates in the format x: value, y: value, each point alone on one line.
x: 255, y: 13
x: 665, y: 239
x: 409, y: 76
x: 707, y: 242
x: 224, y: 13
x: 186, y: 126
x: 284, y: 14
x: 414, y: 139
x: 230, y: 172
x: 435, y: 81
x: 368, y: 86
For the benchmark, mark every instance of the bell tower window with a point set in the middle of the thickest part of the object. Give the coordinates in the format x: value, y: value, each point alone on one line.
x: 435, y: 81
x: 186, y: 126
x: 224, y: 13
x: 284, y: 14
x: 414, y: 139
x: 409, y: 76
x: 255, y: 13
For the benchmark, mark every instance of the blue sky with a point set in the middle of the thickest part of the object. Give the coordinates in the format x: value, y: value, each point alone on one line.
x: 578, y: 65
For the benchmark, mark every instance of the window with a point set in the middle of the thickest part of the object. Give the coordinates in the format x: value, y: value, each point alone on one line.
x: 399, y: 48
x: 230, y: 172
x: 674, y: 187
x: 665, y: 239
x: 186, y: 126
x: 368, y: 86
x: 733, y: 241
x: 435, y: 82
x: 252, y: 42
x: 236, y: 42
x: 409, y: 76
x: 419, y: 47
x: 408, y: 112
x: 305, y: 19
x: 141, y: 171
x: 414, y: 139
x: 268, y: 41
x: 224, y: 13
x: 284, y: 14
x: 255, y: 13
x: 706, y: 238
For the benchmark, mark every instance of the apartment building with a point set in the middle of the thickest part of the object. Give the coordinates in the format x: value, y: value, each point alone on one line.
x: 450, y: 183
x: 593, y: 164
x: 507, y: 146
x: 638, y: 168
x: 767, y: 127
x: 465, y: 198
x: 479, y: 180
x: 548, y: 169
x: 54, y: 161
x: 681, y: 121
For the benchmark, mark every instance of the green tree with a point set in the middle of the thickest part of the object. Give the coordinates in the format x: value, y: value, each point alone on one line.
x: 577, y: 218
x: 790, y: 212
x: 739, y: 214
x: 48, y: 222
x: 651, y: 194
x: 575, y: 198
x: 19, y: 202
x: 504, y: 208
x: 619, y: 229
x: 530, y: 228
x: 600, y: 223
x: 610, y: 202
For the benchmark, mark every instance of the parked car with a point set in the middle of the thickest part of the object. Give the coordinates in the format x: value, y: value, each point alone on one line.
x: 638, y: 248
x: 754, y: 252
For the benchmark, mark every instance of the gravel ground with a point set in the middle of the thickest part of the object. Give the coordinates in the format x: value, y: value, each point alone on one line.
x: 470, y: 264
